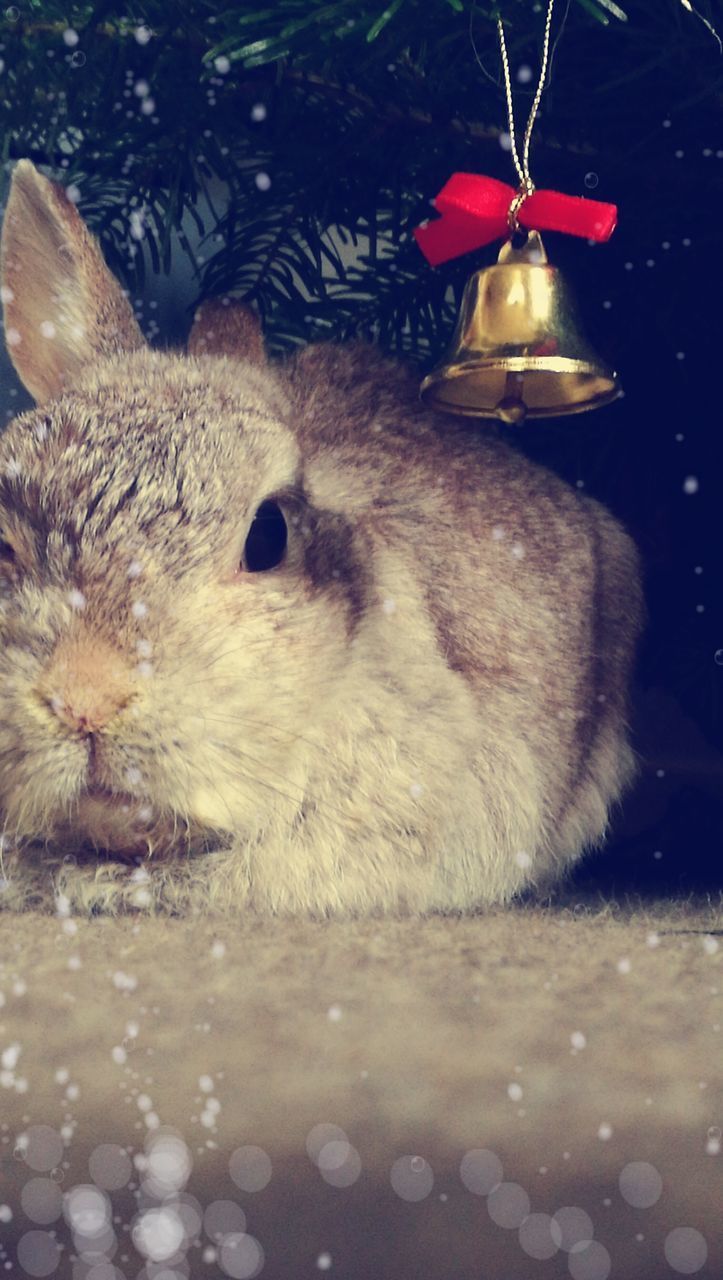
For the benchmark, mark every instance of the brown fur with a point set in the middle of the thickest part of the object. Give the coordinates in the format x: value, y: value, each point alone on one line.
x: 222, y: 327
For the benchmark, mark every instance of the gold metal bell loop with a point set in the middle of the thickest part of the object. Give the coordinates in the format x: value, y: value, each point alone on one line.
x: 518, y: 350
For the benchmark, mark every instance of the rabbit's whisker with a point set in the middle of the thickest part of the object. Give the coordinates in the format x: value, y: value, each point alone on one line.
x: 351, y: 823
x: 326, y: 751
x: 270, y: 728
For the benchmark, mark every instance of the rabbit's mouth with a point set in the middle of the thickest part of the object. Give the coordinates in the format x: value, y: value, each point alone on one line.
x: 117, y: 823
x: 126, y: 828
x: 106, y: 796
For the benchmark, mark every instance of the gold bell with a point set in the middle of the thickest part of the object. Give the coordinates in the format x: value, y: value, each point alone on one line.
x: 518, y: 351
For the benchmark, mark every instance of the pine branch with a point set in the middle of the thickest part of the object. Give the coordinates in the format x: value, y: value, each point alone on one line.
x: 359, y: 134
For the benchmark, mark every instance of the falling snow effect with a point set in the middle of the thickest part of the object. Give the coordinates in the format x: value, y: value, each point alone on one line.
x: 171, y: 1227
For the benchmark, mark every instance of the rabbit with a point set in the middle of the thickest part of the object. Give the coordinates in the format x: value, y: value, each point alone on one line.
x: 274, y: 637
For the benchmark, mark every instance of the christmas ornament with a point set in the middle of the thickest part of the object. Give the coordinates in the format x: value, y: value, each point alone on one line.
x: 518, y: 350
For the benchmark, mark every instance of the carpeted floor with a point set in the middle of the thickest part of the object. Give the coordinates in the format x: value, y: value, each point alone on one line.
x: 578, y: 1048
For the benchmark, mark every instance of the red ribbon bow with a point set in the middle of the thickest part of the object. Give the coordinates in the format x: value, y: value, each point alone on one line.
x: 475, y: 211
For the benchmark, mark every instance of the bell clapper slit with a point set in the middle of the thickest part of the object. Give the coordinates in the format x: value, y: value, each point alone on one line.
x: 518, y: 350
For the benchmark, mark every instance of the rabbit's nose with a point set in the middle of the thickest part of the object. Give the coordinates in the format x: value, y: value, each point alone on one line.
x: 87, y: 683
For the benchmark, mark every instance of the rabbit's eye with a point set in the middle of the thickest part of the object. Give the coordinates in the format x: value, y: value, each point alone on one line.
x: 266, y: 541
x: 7, y: 552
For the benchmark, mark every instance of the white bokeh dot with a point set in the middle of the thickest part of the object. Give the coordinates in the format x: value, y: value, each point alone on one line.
x: 334, y: 1154
x: 250, y: 1168
x: 685, y: 1250
x: 221, y: 1218
x: 241, y: 1256
x: 339, y: 1163
x: 168, y: 1164
x: 44, y: 1147
x: 412, y: 1178
x: 189, y: 1213
x: 318, y: 1137
x: 76, y: 599
x: 575, y: 1226
x: 87, y: 1210
x: 41, y: 1200
x: 540, y: 1236
x: 640, y: 1184
x: 481, y: 1171
x: 106, y: 1271
x: 38, y: 1253
x: 508, y: 1205
x: 158, y: 1233
x: 590, y: 1263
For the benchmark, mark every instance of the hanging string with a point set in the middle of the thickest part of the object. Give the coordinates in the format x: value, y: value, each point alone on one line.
x: 527, y: 186
x: 687, y: 5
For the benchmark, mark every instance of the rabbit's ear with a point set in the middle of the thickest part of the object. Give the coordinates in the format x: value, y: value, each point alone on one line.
x: 225, y: 327
x: 62, y: 306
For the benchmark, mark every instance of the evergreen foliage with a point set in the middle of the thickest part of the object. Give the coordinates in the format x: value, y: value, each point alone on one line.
x: 366, y: 110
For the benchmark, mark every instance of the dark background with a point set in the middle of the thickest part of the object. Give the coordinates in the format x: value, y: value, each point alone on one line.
x: 633, y: 113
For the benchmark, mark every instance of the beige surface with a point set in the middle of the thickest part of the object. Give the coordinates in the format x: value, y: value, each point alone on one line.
x: 407, y: 1035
